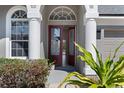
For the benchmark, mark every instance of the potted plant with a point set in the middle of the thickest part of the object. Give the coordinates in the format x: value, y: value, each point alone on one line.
x: 51, y: 63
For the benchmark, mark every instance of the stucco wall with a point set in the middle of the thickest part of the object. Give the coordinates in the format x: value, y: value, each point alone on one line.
x: 44, y: 31
x: 3, y: 11
x: 80, y: 37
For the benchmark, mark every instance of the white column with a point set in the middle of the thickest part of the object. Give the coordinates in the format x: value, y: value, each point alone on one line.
x: 90, y: 38
x: 34, y: 38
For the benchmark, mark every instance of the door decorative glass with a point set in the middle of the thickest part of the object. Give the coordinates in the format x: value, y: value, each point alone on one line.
x: 55, y: 44
x: 71, y: 42
x: 71, y: 54
x: 55, y: 41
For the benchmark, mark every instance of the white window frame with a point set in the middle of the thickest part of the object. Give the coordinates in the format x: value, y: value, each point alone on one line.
x: 8, y: 30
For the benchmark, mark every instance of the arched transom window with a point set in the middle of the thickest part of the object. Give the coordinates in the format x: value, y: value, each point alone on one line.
x: 19, y: 34
x: 62, y: 13
x: 19, y: 14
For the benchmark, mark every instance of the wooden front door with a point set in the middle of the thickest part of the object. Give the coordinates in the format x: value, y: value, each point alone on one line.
x: 61, y: 42
x: 55, y: 44
x: 71, y: 46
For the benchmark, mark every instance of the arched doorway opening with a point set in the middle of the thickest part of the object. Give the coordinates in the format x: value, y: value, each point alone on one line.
x: 61, y: 36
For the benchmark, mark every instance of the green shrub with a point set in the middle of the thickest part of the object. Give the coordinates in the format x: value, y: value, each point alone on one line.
x: 16, y: 73
x: 51, y: 61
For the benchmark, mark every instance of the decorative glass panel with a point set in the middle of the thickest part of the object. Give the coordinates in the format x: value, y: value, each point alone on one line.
x: 62, y: 13
x: 19, y: 14
x: 56, y: 17
x: 55, y: 41
x: 62, y: 18
x: 71, y: 42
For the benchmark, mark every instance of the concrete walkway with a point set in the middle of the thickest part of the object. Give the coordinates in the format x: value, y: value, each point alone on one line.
x: 57, y: 76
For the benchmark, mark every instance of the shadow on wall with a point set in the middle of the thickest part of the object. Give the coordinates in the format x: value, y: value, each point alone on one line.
x: 3, y: 47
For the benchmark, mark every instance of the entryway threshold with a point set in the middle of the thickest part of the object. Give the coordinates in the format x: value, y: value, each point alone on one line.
x: 66, y: 68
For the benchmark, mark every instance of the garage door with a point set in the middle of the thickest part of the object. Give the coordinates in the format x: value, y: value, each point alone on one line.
x: 110, y: 41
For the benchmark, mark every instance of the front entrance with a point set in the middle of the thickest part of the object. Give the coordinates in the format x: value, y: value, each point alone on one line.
x: 61, y: 44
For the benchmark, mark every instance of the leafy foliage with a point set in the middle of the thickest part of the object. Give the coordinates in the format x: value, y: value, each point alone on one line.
x: 109, y: 73
x: 16, y: 73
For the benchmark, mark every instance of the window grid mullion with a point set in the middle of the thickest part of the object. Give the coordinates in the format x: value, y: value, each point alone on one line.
x: 20, y: 29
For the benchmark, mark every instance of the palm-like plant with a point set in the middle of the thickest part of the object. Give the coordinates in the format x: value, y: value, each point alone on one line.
x: 109, y: 73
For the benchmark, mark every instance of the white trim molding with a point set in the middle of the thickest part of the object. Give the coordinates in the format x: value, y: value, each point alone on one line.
x: 91, y: 11
x: 33, y: 11
x: 8, y: 27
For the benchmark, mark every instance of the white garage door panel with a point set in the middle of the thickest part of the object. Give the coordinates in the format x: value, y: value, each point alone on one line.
x: 109, y: 46
x: 106, y: 54
x: 113, y: 41
x: 112, y: 47
x: 110, y: 41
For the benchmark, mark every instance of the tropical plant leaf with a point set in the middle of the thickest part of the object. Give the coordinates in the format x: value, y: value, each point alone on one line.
x: 99, y: 58
x: 77, y: 82
x: 121, y: 80
x: 87, y: 57
x: 120, y: 84
x: 110, y: 73
x: 118, y: 77
x: 113, y: 68
x: 110, y: 61
x: 117, y: 49
x: 115, y: 79
x: 107, y: 63
x: 79, y: 76
x: 117, y: 68
x: 94, y: 86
